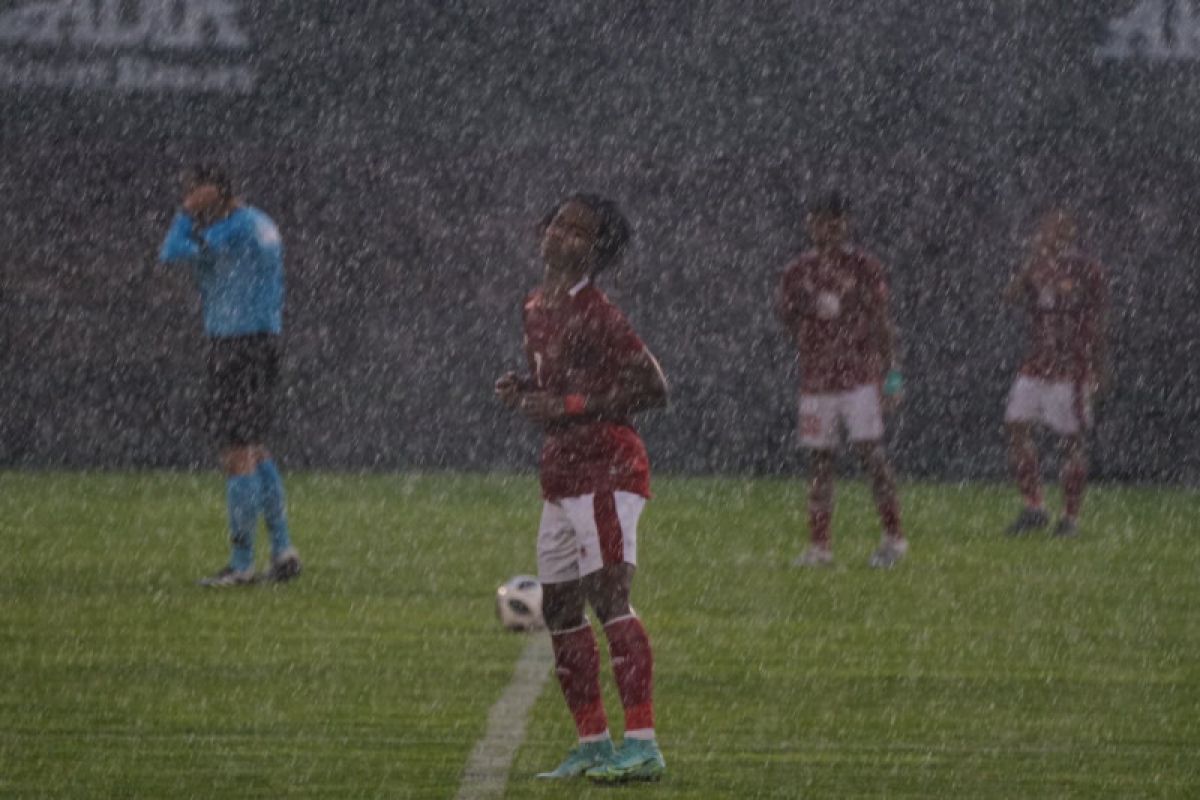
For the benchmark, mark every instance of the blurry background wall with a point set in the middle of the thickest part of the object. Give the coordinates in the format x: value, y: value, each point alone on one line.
x: 407, y: 149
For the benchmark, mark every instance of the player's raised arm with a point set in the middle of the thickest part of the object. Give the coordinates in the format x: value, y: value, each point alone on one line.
x: 183, y: 244
x: 204, y: 203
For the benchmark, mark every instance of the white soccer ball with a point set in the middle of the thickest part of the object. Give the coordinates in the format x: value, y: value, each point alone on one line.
x: 519, y: 604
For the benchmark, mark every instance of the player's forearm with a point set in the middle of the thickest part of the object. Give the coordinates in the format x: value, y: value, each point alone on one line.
x: 183, y: 243
x: 641, y: 387
x: 886, y: 338
x: 622, y: 402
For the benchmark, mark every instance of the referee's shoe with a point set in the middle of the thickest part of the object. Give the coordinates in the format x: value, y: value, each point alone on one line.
x: 228, y: 576
x: 284, y: 567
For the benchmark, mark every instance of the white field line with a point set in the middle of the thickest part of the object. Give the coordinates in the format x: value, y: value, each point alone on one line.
x: 486, y: 773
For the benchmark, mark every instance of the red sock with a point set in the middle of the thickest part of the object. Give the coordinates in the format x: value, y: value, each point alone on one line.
x: 1074, y: 481
x: 1029, y: 477
x: 889, y: 513
x: 633, y: 666
x: 577, y: 665
x: 818, y: 526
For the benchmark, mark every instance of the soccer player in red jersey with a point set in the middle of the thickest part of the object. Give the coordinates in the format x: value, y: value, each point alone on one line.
x: 1065, y: 294
x: 589, y: 373
x: 833, y: 301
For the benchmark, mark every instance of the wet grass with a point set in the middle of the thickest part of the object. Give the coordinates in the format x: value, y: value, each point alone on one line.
x: 982, y: 667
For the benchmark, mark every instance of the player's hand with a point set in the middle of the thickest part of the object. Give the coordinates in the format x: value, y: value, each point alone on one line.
x: 508, y: 389
x: 541, y: 407
x: 892, y: 390
x: 892, y: 403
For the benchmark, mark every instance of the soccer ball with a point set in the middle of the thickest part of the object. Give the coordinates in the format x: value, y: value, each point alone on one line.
x: 519, y: 604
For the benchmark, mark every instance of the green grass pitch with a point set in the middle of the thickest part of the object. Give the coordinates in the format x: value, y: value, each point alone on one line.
x: 983, y: 667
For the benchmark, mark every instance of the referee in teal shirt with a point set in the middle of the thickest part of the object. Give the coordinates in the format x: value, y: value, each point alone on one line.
x: 235, y: 254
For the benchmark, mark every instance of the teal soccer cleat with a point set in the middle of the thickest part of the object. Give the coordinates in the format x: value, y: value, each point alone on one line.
x: 585, y: 756
x: 637, y: 760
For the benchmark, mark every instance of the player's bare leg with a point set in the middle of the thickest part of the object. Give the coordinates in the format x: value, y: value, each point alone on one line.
x: 1073, y: 478
x: 887, y: 502
x: 1023, y: 458
x: 639, y: 758
x: 577, y: 665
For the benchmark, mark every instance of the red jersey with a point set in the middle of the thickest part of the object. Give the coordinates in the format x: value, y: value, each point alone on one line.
x: 580, y: 347
x: 831, y: 306
x: 1066, y: 299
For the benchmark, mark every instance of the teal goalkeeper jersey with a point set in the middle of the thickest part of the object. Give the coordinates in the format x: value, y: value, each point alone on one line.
x: 237, y: 264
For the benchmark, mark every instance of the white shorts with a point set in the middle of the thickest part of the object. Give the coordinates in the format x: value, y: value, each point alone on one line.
x: 1059, y: 405
x: 579, y: 535
x: 859, y: 409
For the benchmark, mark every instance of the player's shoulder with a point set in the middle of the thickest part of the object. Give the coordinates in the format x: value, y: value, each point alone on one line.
x: 255, y: 222
x: 596, y: 309
x: 592, y: 303
x: 864, y: 259
x: 250, y: 215
x: 592, y: 296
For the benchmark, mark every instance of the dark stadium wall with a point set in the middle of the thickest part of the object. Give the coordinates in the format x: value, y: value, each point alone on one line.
x: 407, y: 149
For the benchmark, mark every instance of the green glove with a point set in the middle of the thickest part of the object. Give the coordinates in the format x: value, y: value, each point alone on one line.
x: 893, y: 383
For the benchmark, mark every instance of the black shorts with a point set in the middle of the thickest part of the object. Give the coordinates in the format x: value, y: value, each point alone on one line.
x: 243, y: 372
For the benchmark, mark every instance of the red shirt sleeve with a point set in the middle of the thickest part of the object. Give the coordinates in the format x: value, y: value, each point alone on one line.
x: 614, y: 335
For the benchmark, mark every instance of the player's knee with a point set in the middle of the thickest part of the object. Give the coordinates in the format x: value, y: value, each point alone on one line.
x: 562, y: 607
x: 820, y: 464
x: 614, y: 608
x: 871, y: 455
x: 1018, y: 433
x: 1072, y: 447
x: 239, y: 460
x: 608, y: 591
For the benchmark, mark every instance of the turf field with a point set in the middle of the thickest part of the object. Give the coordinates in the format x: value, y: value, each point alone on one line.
x: 983, y: 667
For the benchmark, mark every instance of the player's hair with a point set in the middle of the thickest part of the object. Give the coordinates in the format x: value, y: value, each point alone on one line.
x: 205, y: 172
x: 830, y: 204
x: 614, y: 232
